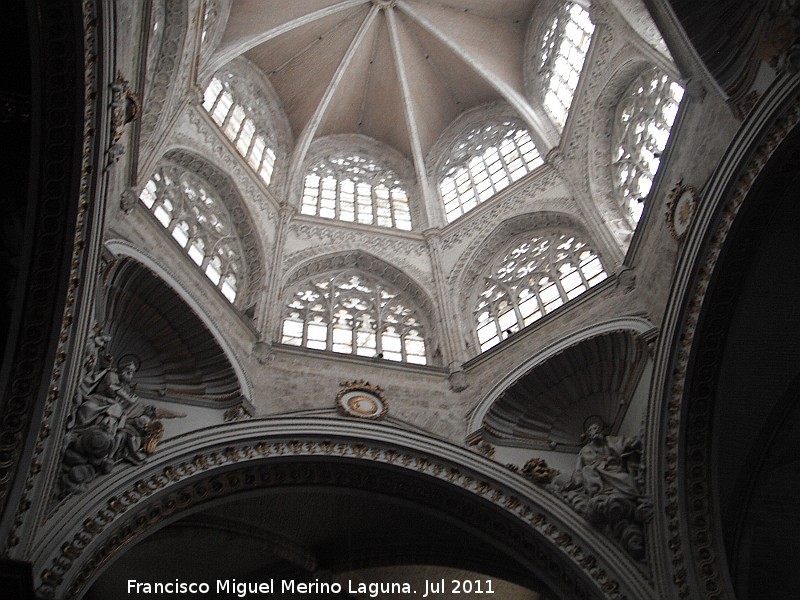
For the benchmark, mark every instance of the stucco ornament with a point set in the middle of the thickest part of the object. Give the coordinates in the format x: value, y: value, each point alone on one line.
x: 606, y: 488
x: 110, y: 424
x: 361, y: 400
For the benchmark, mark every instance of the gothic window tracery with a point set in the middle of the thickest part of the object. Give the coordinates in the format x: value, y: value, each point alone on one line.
x: 356, y: 189
x: 353, y: 313
x: 198, y: 222
x: 531, y: 278
x: 562, y: 53
x: 483, y: 162
x: 644, y: 119
x: 250, y: 140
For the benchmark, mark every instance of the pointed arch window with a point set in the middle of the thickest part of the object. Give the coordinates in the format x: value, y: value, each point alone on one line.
x: 355, y: 189
x: 235, y: 121
x: 352, y: 313
x: 482, y: 163
x: 531, y: 278
x: 198, y: 222
x: 645, y: 116
x: 561, y: 56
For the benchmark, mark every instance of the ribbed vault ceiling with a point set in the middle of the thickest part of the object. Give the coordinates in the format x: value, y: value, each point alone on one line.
x: 398, y: 71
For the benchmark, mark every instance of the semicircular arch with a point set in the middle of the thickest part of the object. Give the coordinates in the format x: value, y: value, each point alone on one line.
x: 123, y: 249
x: 218, y: 464
x: 638, y: 326
x: 240, y: 216
x: 477, y: 258
x: 357, y: 259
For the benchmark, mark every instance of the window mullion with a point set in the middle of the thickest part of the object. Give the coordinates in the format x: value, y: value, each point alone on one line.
x: 332, y: 305
x: 338, y: 200
x: 515, y: 305
x: 503, y: 163
x: 403, y: 353
x: 497, y: 326
x: 518, y: 150
x: 390, y: 201
x: 373, y: 194
x: 354, y: 334
x: 580, y: 272
x: 250, y: 148
x: 539, y: 300
x: 560, y: 287
x: 239, y: 132
x: 472, y: 183
x: 227, y: 118
x: 216, y: 101
x: 488, y: 174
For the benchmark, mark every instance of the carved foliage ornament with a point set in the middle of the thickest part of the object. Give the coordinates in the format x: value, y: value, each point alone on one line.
x: 702, y: 538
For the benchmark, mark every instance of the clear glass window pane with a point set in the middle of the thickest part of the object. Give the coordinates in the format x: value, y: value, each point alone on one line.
x: 525, y: 274
x: 195, y: 219
x: 211, y: 94
x: 644, y: 119
x: 366, y: 315
x: 245, y: 137
x: 223, y: 106
x: 485, y: 158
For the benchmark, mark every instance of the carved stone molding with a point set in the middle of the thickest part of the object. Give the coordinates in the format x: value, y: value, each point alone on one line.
x: 705, y: 562
x: 240, y: 412
x: 525, y: 521
x: 165, y: 70
x: 343, y: 235
x: 537, y: 471
x: 517, y: 200
x: 64, y: 212
x: 240, y: 216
